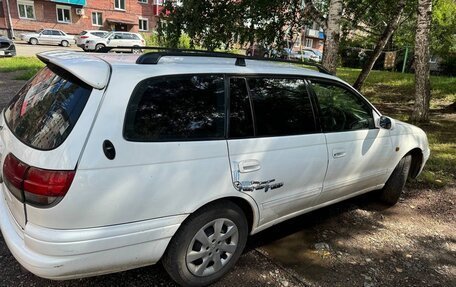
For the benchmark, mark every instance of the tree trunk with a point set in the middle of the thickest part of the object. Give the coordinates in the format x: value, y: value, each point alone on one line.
x: 422, y: 81
x: 331, y: 48
x: 382, y: 41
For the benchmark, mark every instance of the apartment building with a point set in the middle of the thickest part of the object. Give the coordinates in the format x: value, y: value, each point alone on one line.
x: 310, y: 37
x: 73, y: 16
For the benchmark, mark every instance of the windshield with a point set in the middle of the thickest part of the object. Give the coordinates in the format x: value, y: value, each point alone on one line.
x: 47, y: 108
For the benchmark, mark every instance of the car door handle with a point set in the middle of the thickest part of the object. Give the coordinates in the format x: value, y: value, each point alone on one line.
x: 339, y: 153
x: 249, y: 165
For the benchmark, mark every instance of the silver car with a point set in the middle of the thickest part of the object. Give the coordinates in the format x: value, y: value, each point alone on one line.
x: 48, y: 36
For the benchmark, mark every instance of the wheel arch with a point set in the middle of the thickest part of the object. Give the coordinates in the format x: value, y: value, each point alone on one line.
x: 247, y: 205
x: 417, y: 161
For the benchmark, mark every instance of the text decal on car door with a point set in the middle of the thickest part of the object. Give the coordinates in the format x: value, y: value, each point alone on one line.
x: 257, y: 185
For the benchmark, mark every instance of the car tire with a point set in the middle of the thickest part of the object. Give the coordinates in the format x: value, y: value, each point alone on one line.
x: 249, y: 54
x: 213, y: 255
x: 65, y: 43
x: 265, y: 55
x: 99, y: 47
x: 392, y: 190
x: 33, y: 41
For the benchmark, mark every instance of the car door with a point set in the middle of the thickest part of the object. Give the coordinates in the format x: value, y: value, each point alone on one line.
x: 45, y: 37
x: 277, y: 156
x: 57, y: 37
x: 358, y: 152
x: 115, y: 40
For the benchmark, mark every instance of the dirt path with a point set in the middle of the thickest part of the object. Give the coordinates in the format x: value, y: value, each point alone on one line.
x: 353, y: 243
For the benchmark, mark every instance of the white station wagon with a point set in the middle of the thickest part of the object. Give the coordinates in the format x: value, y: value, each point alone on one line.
x: 115, y: 161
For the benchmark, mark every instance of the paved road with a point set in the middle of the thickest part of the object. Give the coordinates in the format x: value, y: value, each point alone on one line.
x: 26, y: 50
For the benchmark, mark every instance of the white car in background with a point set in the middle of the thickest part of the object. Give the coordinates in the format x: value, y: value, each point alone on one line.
x: 87, y: 35
x: 48, y: 36
x: 114, y: 162
x: 116, y: 39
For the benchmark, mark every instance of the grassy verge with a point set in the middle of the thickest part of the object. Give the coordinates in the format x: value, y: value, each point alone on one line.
x: 393, y: 94
x: 29, y: 66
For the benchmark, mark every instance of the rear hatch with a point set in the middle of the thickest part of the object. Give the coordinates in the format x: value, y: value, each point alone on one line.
x: 43, y: 131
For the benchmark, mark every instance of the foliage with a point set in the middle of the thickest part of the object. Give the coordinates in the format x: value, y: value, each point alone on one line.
x: 443, y: 27
x: 216, y: 24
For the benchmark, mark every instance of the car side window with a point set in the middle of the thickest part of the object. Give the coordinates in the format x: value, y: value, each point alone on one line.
x: 56, y: 33
x: 281, y: 106
x: 117, y: 36
x: 46, y: 32
x: 183, y: 107
x: 341, y: 109
x: 241, y: 121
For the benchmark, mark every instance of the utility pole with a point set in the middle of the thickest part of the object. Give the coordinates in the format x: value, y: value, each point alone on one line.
x: 8, y: 11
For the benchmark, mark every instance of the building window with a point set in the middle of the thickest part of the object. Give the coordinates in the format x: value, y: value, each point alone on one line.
x: 119, y: 4
x: 309, y: 42
x: 26, y: 10
x: 159, y: 2
x: 97, y: 19
x: 63, y: 14
x: 143, y: 25
x: 143, y: 1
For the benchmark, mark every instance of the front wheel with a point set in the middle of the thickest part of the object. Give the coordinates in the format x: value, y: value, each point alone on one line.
x: 207, y: 245
x: 65, y: 43
x: 33, y: 41
x: 393, y: 187
x: 98, y: 47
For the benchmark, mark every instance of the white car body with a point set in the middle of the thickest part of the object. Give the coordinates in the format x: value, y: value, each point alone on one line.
x: 48, y: 36
x: 88, y: 35
x: 116, y: 39
x: 121, y: 214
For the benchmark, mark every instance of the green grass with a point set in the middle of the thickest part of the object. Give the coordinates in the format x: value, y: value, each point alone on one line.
x: 393, y: 94
x: 30, y: 65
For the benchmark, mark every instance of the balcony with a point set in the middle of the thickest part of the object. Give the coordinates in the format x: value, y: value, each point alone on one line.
x: 312, y: 33
x: 72, y: 2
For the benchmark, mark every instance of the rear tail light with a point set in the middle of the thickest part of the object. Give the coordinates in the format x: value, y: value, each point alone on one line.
x: 84, y: 37
x: 33, y: 185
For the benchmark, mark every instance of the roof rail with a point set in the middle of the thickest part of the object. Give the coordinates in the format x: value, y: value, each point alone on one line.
x: 154, y: 57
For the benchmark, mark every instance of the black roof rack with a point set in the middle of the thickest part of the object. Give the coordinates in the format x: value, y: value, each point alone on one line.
x: 154, y: 57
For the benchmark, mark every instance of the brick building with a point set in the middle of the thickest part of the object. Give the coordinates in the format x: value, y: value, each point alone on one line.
x: 73, y: 16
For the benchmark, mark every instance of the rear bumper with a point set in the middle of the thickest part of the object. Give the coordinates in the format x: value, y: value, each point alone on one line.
x: 68, y: 254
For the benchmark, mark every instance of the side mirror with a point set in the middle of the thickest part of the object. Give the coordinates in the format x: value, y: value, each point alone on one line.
x: 386, y: 123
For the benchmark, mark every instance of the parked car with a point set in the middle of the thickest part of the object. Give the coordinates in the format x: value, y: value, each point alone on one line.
x: 87, y: 35
x: 258, y: 51
x: 305, y: 55
x: 7, y: 47
x: 316, y: 52
x: 111, y: 163
x: 116, y: 39
x: 48, y: 36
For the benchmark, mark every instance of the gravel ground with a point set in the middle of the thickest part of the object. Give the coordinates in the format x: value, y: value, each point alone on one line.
x: 354, y: 243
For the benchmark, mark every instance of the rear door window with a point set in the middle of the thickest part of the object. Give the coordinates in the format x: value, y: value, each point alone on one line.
x: 47, y: 108
x: 281, y: 106
x: 183, y: 107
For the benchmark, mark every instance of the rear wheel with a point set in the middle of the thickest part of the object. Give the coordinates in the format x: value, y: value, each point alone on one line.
x: 33, y: 41
x: 266, y: 55
x: 392, y: 190
x: 65, y: 43
x: 207, y: 245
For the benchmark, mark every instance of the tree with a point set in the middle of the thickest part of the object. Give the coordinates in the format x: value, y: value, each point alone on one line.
x: 422, y: 57
x: 391, y: 26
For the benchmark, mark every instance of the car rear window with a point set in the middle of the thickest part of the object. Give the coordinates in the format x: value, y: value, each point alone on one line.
x: 47, y: 108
